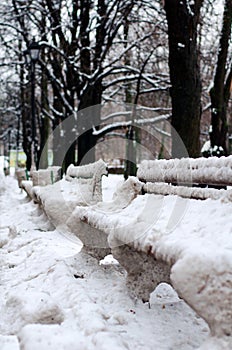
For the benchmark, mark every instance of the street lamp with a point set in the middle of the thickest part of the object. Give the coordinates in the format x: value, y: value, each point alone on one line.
x: 32, y: 56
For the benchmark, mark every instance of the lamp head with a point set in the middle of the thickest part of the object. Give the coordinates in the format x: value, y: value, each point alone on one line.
x: 34, y: 50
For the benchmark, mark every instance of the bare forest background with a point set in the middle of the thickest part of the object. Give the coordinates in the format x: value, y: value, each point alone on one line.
x: 144, y: 62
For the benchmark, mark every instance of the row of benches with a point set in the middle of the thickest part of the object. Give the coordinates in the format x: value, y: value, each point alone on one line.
x: 148, y: 227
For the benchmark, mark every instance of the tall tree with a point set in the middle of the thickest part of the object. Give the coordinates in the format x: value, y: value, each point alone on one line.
x: 221, y: 90
x: 183, y: 19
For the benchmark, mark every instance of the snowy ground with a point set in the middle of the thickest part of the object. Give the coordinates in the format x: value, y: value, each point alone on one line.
x: 53, y: 297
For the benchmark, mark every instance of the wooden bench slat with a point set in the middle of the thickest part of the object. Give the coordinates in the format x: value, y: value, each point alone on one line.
x: 210, y: 171
x: 187, y: 192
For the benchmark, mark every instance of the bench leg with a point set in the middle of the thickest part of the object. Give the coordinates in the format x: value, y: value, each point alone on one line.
x: 205, y: 284
x: 143, y: 272
x: 94, y: 241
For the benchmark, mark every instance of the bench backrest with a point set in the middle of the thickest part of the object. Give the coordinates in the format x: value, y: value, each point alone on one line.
x: 87, y: 171
x: 90, y: 174
x: 160, y: 175
x: 43, y: 177
x: 210, y: 171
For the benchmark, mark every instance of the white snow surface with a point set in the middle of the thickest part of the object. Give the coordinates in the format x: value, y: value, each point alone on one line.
x: 54, y: 297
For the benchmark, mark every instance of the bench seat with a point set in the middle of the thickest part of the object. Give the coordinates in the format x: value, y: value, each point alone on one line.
x: 95, y: 242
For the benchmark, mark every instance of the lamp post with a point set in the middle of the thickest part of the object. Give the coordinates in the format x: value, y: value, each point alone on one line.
x: 32, y: 56
x: 17, y: 143
x: 9, y: 140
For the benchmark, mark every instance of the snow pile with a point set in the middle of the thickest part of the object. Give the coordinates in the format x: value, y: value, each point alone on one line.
x: 211, y: 170
x: 30, y: 307
x: 6, y: 234
x: 40, y: 337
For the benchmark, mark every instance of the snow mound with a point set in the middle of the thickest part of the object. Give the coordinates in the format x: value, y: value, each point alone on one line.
x: 9, y: 342
x: 38, y: 337
x: 7, y: 233
x: 30, y: 307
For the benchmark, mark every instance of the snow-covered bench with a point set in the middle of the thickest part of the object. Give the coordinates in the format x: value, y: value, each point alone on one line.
x: 82, y: 185
x: 41, y: 177
x: 170, y: 234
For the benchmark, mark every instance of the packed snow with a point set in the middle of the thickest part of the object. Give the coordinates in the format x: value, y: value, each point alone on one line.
x: 53, y: 296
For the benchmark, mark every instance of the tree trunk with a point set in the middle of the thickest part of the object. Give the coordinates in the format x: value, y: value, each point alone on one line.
x: 130, y: 161
x: 184, y: 75
x: 220, y: 91
x: 44, y: 125
x: 89, y: 106
x: 88, y: 117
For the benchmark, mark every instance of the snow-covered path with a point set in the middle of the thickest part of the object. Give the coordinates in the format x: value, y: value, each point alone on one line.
x: 55, y: 298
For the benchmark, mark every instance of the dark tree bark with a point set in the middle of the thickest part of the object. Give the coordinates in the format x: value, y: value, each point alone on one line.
x: 86, y: 141
x: 88, y: 116
x: 106, y: 30
x: 43, y: 119
x: 220, y: 92
x: 185, y: 92
x: 130, y: 167
x: 93, y: 93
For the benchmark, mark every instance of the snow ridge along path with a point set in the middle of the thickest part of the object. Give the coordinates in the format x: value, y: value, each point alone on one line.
x: 54, y: 297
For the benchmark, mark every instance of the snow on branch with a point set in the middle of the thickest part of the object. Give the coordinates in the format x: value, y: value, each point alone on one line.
x: 137, y: 122
x: 138, y: 108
